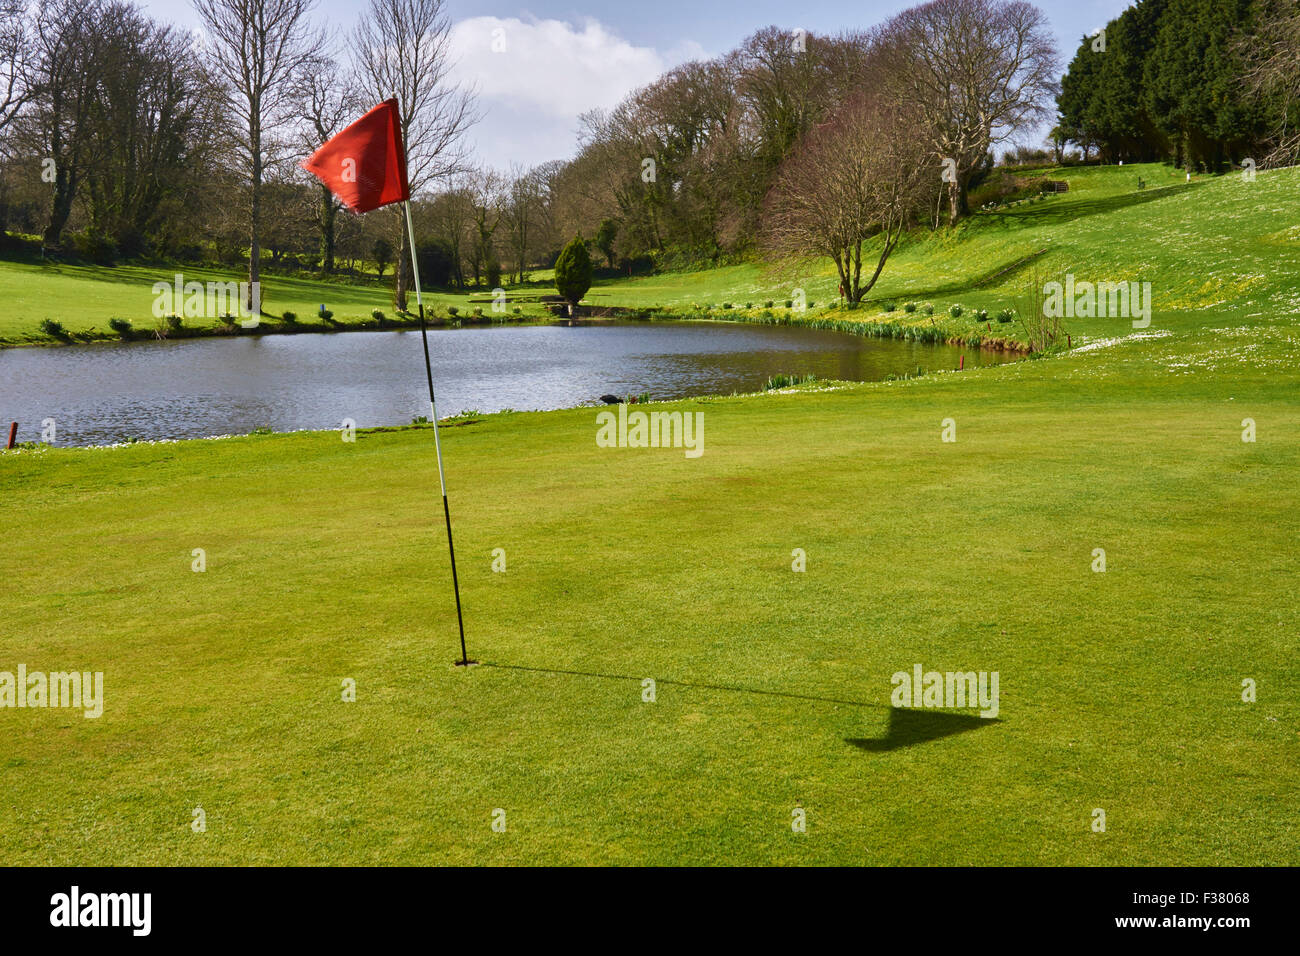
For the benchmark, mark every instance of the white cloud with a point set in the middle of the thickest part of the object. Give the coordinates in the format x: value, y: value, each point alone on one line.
x: 545, y: 74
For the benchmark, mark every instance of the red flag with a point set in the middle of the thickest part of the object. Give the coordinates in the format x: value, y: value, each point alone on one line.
x: 365, y: 165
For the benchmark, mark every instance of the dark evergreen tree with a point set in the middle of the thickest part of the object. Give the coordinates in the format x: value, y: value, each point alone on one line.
x: 573, y: 272
x: 1167, y: 80
x: 1196, y: 84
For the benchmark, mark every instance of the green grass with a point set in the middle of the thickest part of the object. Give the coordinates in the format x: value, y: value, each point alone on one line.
x: 1213, y: 244
x: 84, y: 298
x: 1119, y: 690
x: 325, y: 561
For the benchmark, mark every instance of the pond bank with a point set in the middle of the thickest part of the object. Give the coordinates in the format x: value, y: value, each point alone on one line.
x: 938, y: 332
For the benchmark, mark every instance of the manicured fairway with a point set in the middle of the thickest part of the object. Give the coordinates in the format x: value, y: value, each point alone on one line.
x: 325, y: 561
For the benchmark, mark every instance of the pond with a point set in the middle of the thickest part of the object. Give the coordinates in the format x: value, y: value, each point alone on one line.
x: 193, y: 388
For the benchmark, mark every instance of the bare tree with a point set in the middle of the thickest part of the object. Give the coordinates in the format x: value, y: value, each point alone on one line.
x: 488, y: 209
x: 403, y: 50
x: 14, y: 88
x: 328, y: 102
x: 453, y: 218
x: 69, y: 42
x: 257, y: 49
x: 1273, y: 56
x: 147, y: 124
x: 859, y: 175
x: 14, y: 39
x: 976, y: 71
x: 519, y: 214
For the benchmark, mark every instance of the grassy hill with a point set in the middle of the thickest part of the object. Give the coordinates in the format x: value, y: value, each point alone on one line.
x: 1212, y: 245
x: 1120, y: 691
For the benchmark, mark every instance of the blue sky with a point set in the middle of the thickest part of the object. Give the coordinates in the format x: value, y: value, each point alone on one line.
x: 564, y: 57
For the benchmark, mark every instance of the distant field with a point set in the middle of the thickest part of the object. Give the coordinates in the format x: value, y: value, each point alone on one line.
x: 86, y: 297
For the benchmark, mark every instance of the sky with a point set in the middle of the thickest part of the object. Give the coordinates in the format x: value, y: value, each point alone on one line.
x: 564, y: 57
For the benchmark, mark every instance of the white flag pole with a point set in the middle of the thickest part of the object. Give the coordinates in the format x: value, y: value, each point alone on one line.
x: 433, y: 417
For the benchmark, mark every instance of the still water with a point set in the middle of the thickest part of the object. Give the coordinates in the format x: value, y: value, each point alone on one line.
x: 192, y: 388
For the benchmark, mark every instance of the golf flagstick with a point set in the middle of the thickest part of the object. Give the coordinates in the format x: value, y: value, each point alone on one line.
x: 433, y: 417
x: 365, y: 167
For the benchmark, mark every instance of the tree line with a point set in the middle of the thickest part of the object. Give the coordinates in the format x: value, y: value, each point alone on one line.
x: 687, y: 169
x: 121, y: 136
x: 124, y: 137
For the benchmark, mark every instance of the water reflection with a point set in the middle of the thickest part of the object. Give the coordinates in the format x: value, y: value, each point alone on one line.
x: 198, y: 387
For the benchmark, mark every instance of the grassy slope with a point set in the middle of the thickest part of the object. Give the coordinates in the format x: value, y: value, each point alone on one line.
x: 1119, y: 690
x: 1212, y: 245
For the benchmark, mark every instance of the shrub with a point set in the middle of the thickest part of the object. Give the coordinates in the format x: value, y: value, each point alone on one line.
x: 122, y: 327
x: 436, y: 261
x: 54, y: 328
x: 518, y: 311
x: 890, y: 306
x: 749, y: 305
x: 289, y: 318
x: 982, y: 315
x: 378, y: 315
x: 1041, y: 330
x: 95, y: 247
x: 910, y: 307
x: 453, y: 311
x: 726, y: 305
x: 174, y: 323
x: 573, y: 271
x: 789, y: 303
x: 326, y: 314
x: 478, y: 312
x: 928, y: 308
x: 1006, y: 315
x: 955, y: 310
x: 767, y: 304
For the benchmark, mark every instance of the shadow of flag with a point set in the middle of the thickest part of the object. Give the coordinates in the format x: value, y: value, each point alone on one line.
x: 910, y: 727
